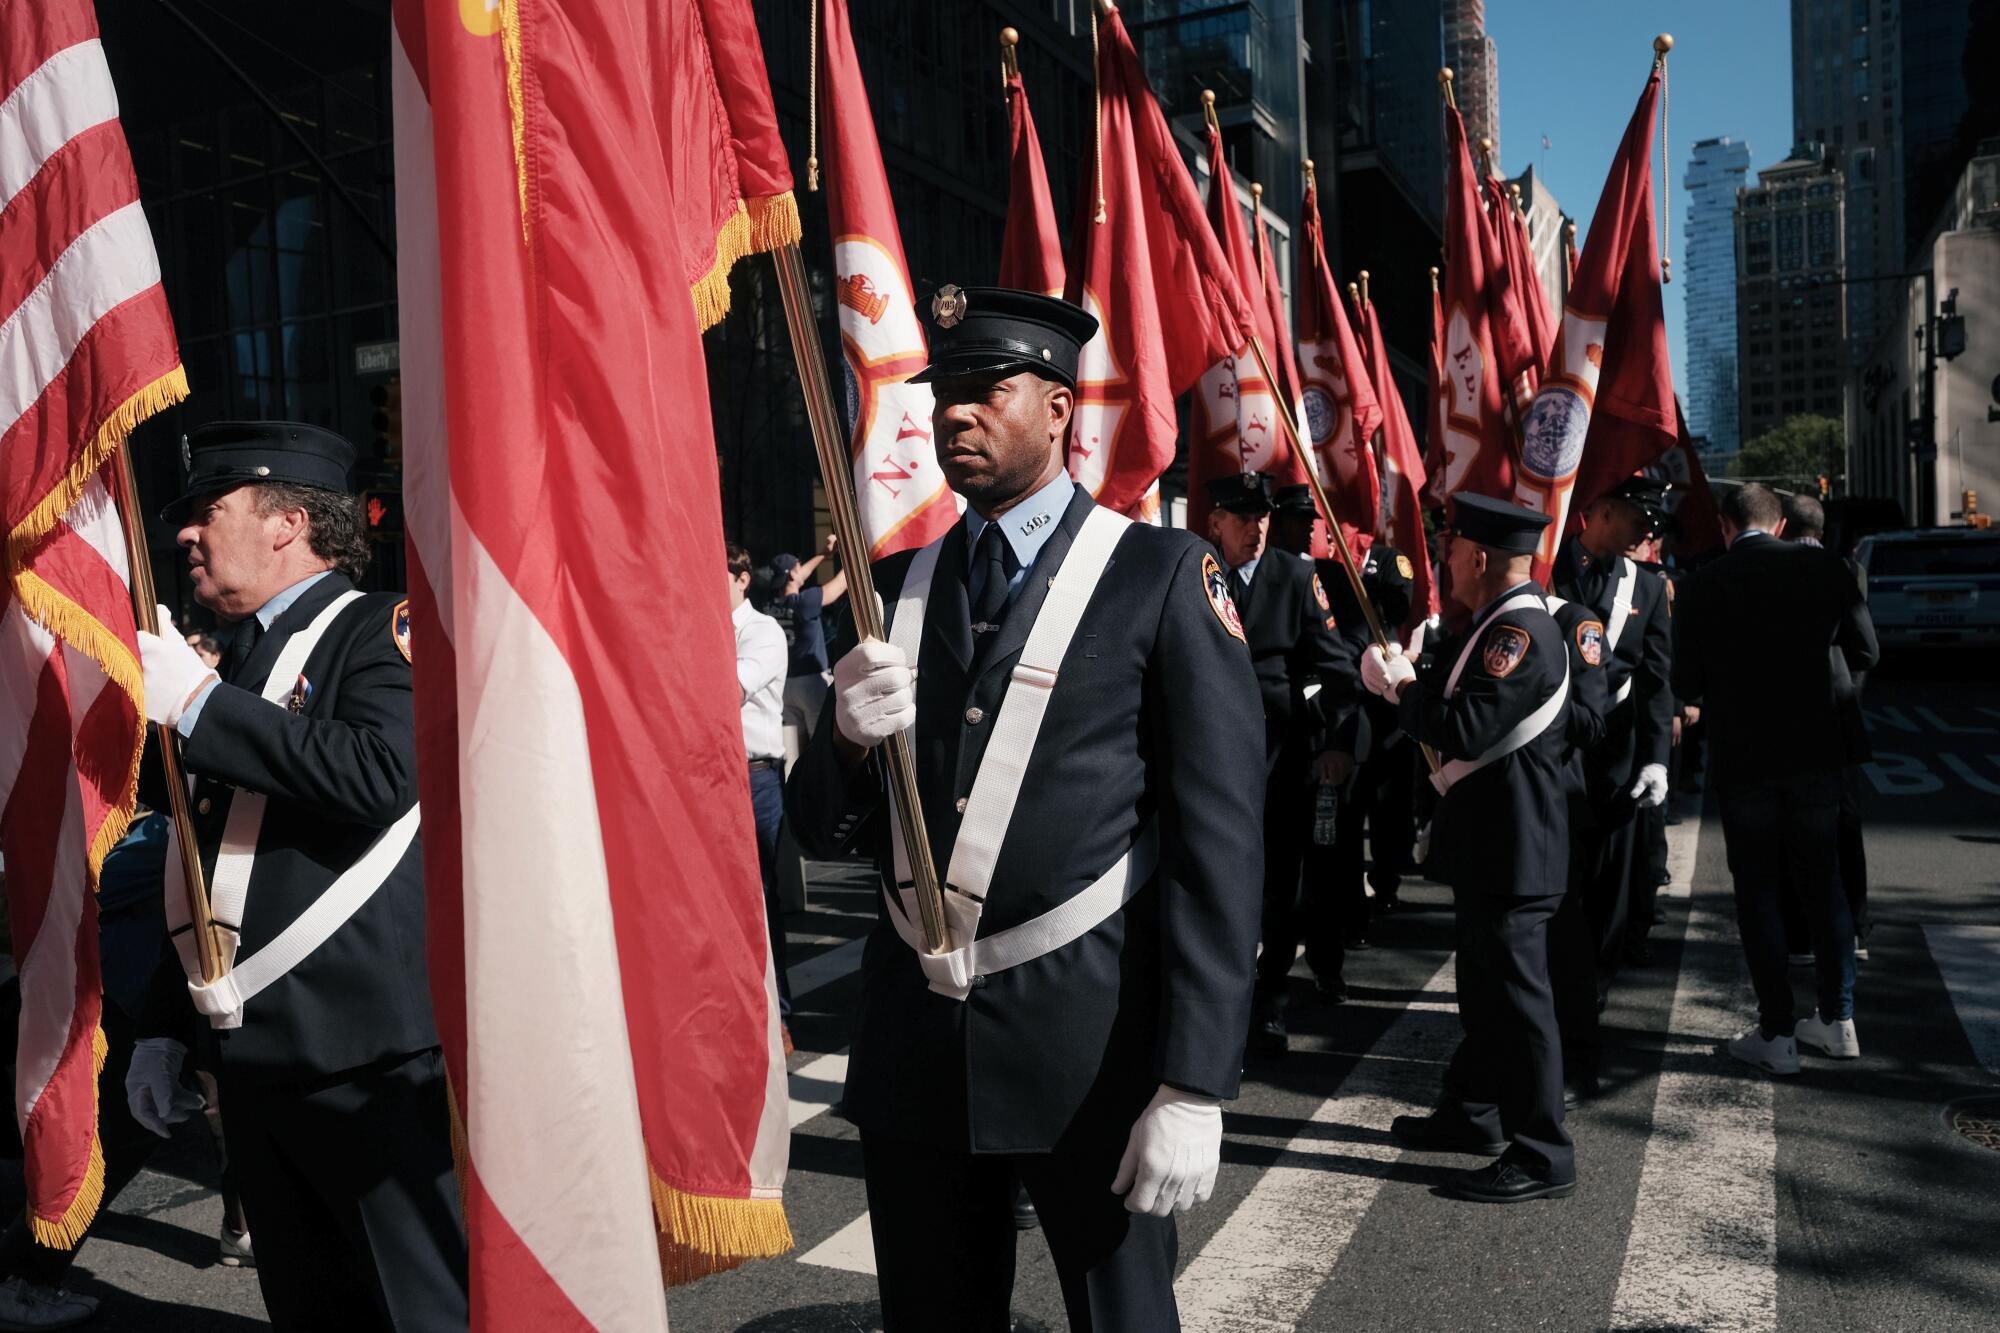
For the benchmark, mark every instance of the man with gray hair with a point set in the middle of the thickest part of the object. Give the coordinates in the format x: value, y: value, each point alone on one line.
x: 1776, y: 756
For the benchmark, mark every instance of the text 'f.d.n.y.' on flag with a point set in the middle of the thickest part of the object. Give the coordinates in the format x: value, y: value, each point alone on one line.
x: 574, y: 180
x: 88, y: 351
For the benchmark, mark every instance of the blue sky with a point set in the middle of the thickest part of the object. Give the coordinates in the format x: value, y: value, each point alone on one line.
x: 1573, y: 70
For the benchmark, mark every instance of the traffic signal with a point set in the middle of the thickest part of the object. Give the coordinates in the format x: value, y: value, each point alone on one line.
x: 387, y: 421
x: 382, y: 513
x: 1825, y: 487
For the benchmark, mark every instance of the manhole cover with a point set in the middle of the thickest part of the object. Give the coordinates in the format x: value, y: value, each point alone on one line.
x: 1975, y: 1119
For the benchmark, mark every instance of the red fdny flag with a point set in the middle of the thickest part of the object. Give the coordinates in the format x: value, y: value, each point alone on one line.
x: 1607, y: 408
x: 1031, y: 257
x: 1478, y: 441
x: 1524, y: 278
x: 1402, y: 479
x: 1236, y: 410
x: 904, y: 501
x: 1342, y: 410
x: 1697, y: 525
x: 1149, y: 268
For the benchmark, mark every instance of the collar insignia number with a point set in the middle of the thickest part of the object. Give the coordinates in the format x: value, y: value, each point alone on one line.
x: 1505, y: 647
x: 1590, y: 641
x: 399, y: 627
x: 1403, y: 566
x: 948, y: 306
x: 1219, y: 600
x: 1319, y: 594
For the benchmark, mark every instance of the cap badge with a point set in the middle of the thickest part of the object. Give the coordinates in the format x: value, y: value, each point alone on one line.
x: 948, y: 306
x: 263, y: 472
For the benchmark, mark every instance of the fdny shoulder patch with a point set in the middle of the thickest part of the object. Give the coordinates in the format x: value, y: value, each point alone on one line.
x: 1319, y: 595
x: 1404, y: 567
x: 1506, y: 646
x: 1219, y: 599
x: 1590, y: 641
x: 399, y: 627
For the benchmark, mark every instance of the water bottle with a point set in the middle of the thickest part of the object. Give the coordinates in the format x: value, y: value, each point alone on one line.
x: 1326, y: 813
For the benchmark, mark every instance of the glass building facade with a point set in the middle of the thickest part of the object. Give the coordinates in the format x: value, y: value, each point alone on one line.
x: 1719, y: 168
x: 1790, y: 266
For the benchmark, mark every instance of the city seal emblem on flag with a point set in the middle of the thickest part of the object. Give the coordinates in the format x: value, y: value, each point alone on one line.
x: 948, y: 306
x: 1590, y: 641
x: 1219, y: 599
x: 1505, y: 647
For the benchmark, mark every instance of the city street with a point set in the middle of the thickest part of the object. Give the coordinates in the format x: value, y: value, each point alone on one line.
x: 1711, y: 1197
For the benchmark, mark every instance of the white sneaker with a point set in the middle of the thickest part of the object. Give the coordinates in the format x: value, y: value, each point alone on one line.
x: 1860, y: 950
x: 1834, y: 1039
x: 29, y: 1305
x: 233, y: 1249
x: 1778, y: 1055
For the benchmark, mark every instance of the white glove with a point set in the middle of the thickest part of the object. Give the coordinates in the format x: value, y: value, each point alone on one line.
x: 874, y: 693
x: 1385, y: 675
x: 173, y: 671
x: 1171, y: 1159
x: 1651, y: 788
x: 153, y: 1085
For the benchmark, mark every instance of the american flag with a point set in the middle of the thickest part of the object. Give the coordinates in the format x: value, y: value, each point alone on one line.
x: 87, y: 351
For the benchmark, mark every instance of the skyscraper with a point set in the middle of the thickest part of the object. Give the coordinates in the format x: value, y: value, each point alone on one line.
x: 1476, y: 68
x: 1720, y: 167
x: 1789, y: 274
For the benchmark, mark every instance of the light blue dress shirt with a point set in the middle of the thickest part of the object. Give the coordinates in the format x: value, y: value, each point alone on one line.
x: 1027, y: 528
x: 266, y: 613
x: 1248, y: 569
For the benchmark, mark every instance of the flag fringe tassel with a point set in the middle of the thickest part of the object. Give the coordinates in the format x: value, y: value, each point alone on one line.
x: 759, y: 225
x: 67, y: 1232
x: 703, y: 1234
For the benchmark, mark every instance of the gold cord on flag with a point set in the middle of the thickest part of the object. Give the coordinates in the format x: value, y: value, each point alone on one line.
x: 517, y: 108
x: 1097, y: 115
x: 812, y: 101
x: 1661, y: 45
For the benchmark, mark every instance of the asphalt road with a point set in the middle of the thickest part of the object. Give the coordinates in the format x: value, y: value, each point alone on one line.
x: 1712, y: 1198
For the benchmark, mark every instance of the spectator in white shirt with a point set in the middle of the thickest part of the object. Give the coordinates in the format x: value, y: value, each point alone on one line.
x: 761, y: 660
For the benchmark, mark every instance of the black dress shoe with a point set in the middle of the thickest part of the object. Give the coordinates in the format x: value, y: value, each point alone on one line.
x: 1267, y: 1036
x: 1025, y: 1217
x: 1430, y: 1133
x: 1503, y: 1182
x: 1579, y: 1086
x: 1332, y: 990
x: 1356, y: 942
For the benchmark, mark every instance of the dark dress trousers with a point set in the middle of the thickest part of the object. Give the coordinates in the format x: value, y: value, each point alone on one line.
x: 1046, y: 1066
x: 333, y: 1092
x: 1500, y: 837
x: 1295, y: 642
x: 1573, y: 948
x: 1754, y: 638
x: 1637, y: 731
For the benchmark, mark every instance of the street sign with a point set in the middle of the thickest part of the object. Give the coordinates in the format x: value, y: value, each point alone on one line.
x: 378, y: 358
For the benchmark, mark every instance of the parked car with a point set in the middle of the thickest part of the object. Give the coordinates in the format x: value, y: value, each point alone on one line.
x: 1933, y: 586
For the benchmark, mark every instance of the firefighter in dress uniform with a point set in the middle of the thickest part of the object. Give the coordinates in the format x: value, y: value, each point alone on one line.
x: 1310, y: 697
x: 303, y: 757
x: 1086, y: 734
x: 1492, y: 697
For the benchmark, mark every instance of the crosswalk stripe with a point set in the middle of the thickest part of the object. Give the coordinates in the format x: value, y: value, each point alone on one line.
x: 823, y: 969
x: 1703, y: 1248
x: 1968, y: 958
x: 1263, y: 1267
x: 852, y: 1249
x: 816, y: 1086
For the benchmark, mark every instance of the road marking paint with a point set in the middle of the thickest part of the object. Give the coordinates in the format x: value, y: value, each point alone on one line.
x: 852, y: 1249
x: 1263, y: 1267
x: 1968, y: 958
x: 1703, y: 1248
x: 815, y: 1086
x: 823, y: 969
x: 1680, y: 852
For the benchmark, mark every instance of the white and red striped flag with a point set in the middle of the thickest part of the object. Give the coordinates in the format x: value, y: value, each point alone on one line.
x: 87, y: 351
x: 599, y: 964
x: 905, y: 503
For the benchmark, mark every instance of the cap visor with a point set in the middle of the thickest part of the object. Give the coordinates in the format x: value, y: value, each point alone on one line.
x: 994, y: 364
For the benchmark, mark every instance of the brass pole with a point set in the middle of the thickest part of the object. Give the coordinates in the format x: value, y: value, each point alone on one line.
x: 144, y: 602
x: 1311, y: 469
x: 837, y: 476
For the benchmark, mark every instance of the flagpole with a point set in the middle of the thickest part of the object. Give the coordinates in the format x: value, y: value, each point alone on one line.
x: 837, y: 478
x: 144, y: 604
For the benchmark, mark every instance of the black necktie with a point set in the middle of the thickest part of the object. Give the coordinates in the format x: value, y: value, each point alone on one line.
x: 241, y: 643
x: 991, y: 560
x: 1239, y: 589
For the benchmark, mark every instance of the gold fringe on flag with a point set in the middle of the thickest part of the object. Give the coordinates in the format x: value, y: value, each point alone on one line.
x: 66, y: 1232
x: 704, y: 1234
x: 517, y: 107
x: 759, y: 225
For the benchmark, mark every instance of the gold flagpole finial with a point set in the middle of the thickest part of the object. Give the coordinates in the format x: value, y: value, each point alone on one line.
x: 1208, y: 109
x: 1354, y: 296
x: 1486, y: 153
x: 1312, y: 181
x: 1663, y: 43
x: 1444, y: 82
x: 1257, y: 190
x: 1010, y: 60
x: 1434, y: 280
x: 1364, y: 289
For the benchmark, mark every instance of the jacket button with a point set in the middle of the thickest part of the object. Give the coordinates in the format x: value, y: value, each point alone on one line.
x: 974, y: 716
x: 960, y: 803
x: 204, y: 806
x: 977, y: 983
